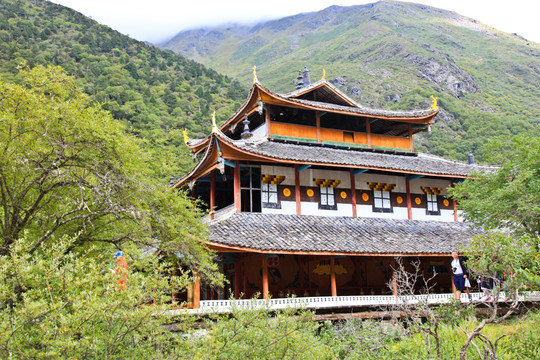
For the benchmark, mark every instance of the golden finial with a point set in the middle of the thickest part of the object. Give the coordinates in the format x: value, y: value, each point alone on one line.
x: 323, y: 74
x: 186, y: 138
x: 255, y: 80
x: 214, y: 126
x: 434, y: 105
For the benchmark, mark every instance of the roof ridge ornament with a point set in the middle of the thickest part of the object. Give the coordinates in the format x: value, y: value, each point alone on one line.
x: 255, y: 79
x: 214, y: 126
x: 323, y: 74
x: 186, y: 138
x: 434, y: 105
x: 246, y: 135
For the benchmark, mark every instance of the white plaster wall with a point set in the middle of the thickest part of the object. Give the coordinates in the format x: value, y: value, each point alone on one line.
x: 367, y: 211
x: 312, y: 208
x: 259, y: 133
x: 286, y: 171
x: 307, y: 176
x: 420, y: 214
x: 287, y: 208
x: 361, y: 181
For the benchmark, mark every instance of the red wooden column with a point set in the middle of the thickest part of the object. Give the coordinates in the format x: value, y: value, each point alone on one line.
x: 368, y: 132
x: 297, y: 190
x: 267, y: 121
x: 264, y: 277
x: 237, y: 267
x: 212, y: 194
x: 454, y: 205
x: 353, y: 193
x: 237, y: 187
x: 318, y: 124
x: 244, y: 279
x: 197, y: 292
x: 394, y: 280
x: 411, y: 146
x: 409, y: 202
x: 333, y: 287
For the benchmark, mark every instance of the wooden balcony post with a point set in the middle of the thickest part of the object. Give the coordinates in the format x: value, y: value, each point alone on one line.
x: 368, y: 133
x: 267, y: 121
x: 197, y: 292
x: 297, y: 190
x: 318, y: 124
x: 333, y: 287
x: 237, y: 199
x: 353, y: 194
x: 394, y: 280
x: 237, y: 266
x: 409, y: 202
x: 212, y: 194
x: 411, y: 145
x: 264, y: 265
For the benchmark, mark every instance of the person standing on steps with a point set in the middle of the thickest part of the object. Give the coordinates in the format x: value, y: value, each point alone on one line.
x: 460, y: 273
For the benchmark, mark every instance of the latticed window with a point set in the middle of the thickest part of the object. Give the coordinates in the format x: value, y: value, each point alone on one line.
x: 382, y: 196
x: 432, y: 201
x: 327, y: 196
x: 381, y: 201
x: 327, y: 199
x: 269, y: 191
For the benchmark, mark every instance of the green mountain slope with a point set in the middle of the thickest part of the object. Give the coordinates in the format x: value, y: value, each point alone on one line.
x: 154, y: 92
x: 392, y: 55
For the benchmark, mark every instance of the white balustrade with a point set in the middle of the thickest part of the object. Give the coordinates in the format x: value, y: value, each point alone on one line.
x: 320, y: 302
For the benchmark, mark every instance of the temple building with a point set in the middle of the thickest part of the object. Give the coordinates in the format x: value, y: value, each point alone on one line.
x: 311, y: 194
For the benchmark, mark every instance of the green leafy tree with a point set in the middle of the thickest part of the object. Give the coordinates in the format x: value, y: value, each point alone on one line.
x: 75, y: 188
x: 59, y: 304
x: 260, y: 334
x: 67, y: 167
x: 509, y: 197
x: 506, y: 203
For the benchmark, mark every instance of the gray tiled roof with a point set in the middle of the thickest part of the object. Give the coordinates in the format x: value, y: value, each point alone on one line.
x: 423, y: 163
x: 305, y: 233
x: 366, y: 111
x: 356, y: 109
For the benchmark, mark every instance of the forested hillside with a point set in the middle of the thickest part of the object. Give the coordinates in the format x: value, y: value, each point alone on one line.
x: 392, y: 55
x: 154, y: 92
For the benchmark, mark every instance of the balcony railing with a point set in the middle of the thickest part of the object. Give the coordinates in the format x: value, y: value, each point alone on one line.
x: 325, y: 302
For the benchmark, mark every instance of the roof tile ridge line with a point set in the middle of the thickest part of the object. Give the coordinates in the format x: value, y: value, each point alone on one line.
x: 198, y: 165
x: 304, y: 89
x: 433, y: 156
x: 419, y: 112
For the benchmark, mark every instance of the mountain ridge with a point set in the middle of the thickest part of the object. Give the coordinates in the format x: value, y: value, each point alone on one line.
x: 392, y: 55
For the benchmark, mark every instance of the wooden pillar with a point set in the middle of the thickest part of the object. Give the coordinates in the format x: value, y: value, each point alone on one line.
x: 212, y: 194
x: 409, y: 202
x: 297, y: 190
x: 237, y: 200
x: 267, y: 121
x: 368, y: 132
x: 196, y: 292
x: 411, y: 146
x: 264, y: 277
x: 318, y: 124
x: 353, y: 193
x: 244, y: 279
x: 333, y: 287
x: 454, y: 205
x: 394, y: 280
x: 237, y: 267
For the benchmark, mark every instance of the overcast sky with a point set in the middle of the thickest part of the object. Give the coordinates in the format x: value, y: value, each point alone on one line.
x: 157, y: 20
